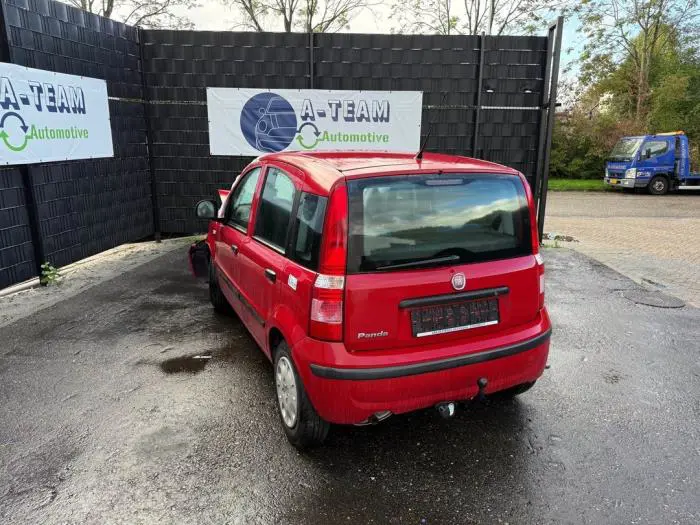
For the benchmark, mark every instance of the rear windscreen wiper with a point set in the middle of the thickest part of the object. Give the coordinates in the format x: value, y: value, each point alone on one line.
x: 422, y: 262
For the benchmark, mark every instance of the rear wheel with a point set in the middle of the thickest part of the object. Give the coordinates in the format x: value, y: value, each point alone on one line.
x: 510, y: 393
x: 302, y: 425
x: 658, y: 185
x: 217, y: 298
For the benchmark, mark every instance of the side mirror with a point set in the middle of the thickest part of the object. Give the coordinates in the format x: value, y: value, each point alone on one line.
x: 206, y: 209
x: 647, y: 153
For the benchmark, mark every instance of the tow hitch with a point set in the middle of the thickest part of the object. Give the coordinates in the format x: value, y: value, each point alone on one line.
x: 446, y: 409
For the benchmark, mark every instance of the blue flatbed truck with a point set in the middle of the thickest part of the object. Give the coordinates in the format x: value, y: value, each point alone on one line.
x: 660, y: 163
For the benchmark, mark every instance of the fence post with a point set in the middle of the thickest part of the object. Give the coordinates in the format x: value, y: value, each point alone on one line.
x: 479, y: 89
x: 27, y: 187
x: 312, y: 43
x: 149, y: 141
x: 557, y: 28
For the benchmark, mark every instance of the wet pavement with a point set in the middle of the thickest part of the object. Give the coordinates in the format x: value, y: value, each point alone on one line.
x: 134, y: 403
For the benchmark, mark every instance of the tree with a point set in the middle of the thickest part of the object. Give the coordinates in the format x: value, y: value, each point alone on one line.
x: 319, y: 16
x: 155, y: 14
x: 636, y: 32
x: 473, y: 17
x: 605, y: 108
x: 425, y: 16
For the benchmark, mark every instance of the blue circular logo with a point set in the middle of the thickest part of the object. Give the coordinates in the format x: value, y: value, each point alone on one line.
x: 268, y: 122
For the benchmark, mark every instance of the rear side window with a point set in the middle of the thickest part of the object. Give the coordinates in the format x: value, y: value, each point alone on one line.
x: 404, y: 222
x: 309, y: 227
x: 275, y: 212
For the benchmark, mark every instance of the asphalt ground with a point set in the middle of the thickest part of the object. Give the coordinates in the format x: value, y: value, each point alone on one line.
x: 106, y: 418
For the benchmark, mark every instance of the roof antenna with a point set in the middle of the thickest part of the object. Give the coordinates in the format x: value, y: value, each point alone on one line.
x: 419, y: 155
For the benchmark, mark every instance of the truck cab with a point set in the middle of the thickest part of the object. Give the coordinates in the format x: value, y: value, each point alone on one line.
x: 660, y: 163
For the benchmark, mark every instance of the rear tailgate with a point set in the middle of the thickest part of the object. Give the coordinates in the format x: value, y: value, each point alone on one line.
x: 433, y: 261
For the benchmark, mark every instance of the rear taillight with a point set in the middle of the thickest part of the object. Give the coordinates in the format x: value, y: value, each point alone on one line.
x: 327, y: 308
x: 535, y: 238
x: 540, y: 273
x: 329, y: 287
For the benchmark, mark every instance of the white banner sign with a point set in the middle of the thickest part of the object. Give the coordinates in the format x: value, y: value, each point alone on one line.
x: 46, y: 116
x: 255, y: 121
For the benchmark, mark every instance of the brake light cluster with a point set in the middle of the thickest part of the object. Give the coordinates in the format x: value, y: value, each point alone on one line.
x: 329, y: 287
x: 535, y: 238
x: 540, y: 272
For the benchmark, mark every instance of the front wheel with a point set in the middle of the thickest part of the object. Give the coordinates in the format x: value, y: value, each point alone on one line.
x: 302, y: 425
x: 658, y: 185
x: 216, y: 296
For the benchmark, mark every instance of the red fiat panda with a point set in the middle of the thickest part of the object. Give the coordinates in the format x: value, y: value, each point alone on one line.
x: 381, y: 283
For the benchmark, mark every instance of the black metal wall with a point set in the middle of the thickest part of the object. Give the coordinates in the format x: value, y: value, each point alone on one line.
x: 501, y: 86
x: 81, y: 207
x: 483, y: 96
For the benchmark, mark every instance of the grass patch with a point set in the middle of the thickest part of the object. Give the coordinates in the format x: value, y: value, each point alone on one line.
x: 577, y: 185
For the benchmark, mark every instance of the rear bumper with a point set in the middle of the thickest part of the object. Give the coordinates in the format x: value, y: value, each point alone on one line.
x: 351, y: 394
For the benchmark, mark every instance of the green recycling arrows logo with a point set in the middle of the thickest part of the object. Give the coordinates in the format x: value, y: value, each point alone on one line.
x: 16, y: 143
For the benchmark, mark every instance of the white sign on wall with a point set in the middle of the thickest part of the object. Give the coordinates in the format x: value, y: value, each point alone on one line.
x: 47, y: 117
x: 255, y: 121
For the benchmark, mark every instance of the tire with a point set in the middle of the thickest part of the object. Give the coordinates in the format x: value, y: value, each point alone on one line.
x: 512, y: 392
x: 658, y: 185
x: 217, y: 298
x: 302, y: 425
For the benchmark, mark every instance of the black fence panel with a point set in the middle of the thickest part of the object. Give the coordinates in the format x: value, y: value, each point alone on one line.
x: 16, y: 251
x: 180, y: 65
x: 484, y: 96
x: 87, y: 206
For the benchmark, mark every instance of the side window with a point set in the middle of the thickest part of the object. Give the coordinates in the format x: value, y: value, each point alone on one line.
x: 242, y: 199
x: 275, y: 209
x: 309, y: 227
x: 656, y: 147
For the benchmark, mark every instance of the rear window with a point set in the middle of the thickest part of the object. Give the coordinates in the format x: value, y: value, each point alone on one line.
x: 308, y: 227
x: 431, y: 220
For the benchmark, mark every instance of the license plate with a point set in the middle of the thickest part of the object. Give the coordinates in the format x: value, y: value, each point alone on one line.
x: 443, y: 319
x: 614, y: 181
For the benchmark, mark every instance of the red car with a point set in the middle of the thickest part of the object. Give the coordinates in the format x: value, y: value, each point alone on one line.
x: 380, y: 283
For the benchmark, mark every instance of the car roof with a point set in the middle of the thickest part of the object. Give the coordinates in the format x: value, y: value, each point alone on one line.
x: 325, y: 168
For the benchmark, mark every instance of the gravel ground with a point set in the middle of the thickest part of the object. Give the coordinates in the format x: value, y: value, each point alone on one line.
x: 106, y: 418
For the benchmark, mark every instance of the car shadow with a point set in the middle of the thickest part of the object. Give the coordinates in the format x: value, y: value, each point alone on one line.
x: 419, y: 468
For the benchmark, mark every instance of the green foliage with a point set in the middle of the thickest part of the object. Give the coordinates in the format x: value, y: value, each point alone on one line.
x: 648, y: 83
x: 49, y: 274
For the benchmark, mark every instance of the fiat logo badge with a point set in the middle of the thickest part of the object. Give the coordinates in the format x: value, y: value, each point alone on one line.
x: 459, y: 281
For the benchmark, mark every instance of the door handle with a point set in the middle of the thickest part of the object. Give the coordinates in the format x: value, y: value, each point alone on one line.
x: 234, y: 249
x: 271, y: 275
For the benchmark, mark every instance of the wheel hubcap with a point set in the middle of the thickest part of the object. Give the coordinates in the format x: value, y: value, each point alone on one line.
x: 659, y: 185
x: 286, y: 391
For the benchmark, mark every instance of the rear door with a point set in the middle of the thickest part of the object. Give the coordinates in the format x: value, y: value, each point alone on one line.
x: 263, y: 260
x: 437, y: 258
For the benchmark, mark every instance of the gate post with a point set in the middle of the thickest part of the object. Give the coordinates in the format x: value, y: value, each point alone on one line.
x: 555, y: 29
x: 479, y: 88
x: 149, y: 141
